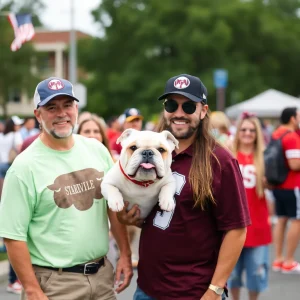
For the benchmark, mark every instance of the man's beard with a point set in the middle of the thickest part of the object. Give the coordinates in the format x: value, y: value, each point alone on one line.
x: 181, y: 135
x: 57, y: 135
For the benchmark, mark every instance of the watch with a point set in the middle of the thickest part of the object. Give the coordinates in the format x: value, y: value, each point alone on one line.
x: 218, y: 290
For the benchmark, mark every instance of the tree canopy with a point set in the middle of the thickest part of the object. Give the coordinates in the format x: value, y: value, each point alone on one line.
x: 146, y: 42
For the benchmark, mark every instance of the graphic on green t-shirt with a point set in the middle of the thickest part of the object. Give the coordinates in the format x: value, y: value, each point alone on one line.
x: 79, y: 188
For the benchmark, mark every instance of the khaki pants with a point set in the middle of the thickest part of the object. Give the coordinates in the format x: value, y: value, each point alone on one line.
x: 75, y: 286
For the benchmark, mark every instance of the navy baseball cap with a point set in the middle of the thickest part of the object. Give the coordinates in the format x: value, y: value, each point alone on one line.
x: 50, y: 88
x: 186, y: 85
x: 131, y: 114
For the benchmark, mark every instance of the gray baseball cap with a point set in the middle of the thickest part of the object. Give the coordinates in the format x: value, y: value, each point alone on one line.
x: 50, y: 88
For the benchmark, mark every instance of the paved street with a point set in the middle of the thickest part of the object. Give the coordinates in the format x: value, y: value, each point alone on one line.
x: 285, y: 287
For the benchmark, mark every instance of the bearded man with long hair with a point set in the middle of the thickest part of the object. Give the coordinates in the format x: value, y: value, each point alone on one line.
x: 189, y: 253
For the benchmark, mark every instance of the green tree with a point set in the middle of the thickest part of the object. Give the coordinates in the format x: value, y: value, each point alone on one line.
x: 147, y: 41
x: 15, y: 67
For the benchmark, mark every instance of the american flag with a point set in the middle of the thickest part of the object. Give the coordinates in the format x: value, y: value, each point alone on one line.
x: 23, y: 28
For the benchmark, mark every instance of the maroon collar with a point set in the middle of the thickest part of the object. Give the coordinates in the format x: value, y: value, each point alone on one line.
x: 141, y: 183
x: 188, y: 151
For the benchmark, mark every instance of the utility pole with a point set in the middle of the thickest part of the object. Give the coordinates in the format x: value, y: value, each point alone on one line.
x: 73, y: 47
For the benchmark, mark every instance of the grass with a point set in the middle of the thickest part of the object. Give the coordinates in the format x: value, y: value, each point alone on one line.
x: 3, y: 256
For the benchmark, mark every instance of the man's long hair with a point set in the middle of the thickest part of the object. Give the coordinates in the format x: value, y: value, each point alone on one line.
x: 201, y: 173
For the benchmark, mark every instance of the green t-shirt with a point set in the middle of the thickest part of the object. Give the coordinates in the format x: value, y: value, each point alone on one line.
x: 52, y: 200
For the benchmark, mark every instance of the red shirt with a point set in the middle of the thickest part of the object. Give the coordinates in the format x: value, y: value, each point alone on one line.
x: 291, y: 147
x: 259, y: 232
x: 114, y: 147
x: 28, y: 141
x: 298, y: 173
x: 179, y: 249
x: 112, y: 134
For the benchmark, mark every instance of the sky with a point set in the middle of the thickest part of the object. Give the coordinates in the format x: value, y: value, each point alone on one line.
x: 57, y: 15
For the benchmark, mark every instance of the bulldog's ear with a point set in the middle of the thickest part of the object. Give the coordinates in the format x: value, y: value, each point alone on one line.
x: 170, y: 138
x: 126, y: 133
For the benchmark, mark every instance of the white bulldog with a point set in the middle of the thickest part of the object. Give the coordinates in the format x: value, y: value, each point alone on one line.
x: 142, y: 175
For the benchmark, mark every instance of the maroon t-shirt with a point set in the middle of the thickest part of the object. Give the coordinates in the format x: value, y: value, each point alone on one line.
x: 27, y: 142
x: 179, y: 250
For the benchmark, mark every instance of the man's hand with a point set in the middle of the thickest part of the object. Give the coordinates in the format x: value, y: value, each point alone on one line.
x: 210, y: 295
x: 124, y: 273
x: 131, y: 217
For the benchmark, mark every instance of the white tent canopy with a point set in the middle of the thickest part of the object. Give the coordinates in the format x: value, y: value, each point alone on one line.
x: 268, y: 104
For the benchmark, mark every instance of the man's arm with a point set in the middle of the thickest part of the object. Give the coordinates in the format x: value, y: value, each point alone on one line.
x: 230, y: 251
x: 291, y: 146
x: 20, y: 259
x: 294, y: 163
x: 124, y: 264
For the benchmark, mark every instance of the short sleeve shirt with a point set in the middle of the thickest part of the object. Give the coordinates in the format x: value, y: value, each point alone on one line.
x: 52, y: 200
x: 28, y: 141
x: 259, y: 232
x: 291, y: 147
x: 7, y: 142
x: 116, y: 148
x: 179, y: 249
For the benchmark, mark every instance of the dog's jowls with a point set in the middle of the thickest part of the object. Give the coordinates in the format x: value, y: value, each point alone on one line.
x: 142, y: 175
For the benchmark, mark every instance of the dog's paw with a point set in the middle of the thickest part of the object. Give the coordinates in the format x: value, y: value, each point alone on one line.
x: 167, y: 204
x: 116, y: 204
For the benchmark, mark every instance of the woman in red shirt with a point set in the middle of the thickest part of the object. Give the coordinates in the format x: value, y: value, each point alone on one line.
x: 248, y: 147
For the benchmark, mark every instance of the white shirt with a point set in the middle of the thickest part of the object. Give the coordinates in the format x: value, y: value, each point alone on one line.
x: 7, y: 141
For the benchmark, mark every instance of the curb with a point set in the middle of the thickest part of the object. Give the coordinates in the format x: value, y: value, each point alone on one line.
x: 4, y: 266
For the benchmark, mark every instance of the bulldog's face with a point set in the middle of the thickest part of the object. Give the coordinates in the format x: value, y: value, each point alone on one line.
x: 146, y: 155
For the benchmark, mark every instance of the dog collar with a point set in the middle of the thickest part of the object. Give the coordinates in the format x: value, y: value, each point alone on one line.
x: 141, y: 183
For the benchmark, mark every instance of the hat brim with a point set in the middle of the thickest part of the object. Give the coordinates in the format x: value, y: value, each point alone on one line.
x: 189, y: 96
x: 131, y: 118
x: 18, y: 123
x: 45, y: 101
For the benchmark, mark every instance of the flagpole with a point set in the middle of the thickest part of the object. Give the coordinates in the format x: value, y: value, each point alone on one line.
x: 73, y: 48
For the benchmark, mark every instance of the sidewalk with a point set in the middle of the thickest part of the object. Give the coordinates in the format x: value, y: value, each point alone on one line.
x: 4, y: 265
x: 282, y: 286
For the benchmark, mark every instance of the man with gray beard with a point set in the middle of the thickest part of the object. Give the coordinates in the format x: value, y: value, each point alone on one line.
x: 56, y: 240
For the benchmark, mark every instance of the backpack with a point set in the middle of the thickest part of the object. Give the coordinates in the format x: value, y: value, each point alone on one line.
x: 276, y: 169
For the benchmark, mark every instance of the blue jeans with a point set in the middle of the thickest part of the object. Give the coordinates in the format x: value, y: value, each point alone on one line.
x: 140, y: 295
x: 3, y: 169
x: 255, y: 262
x: 12, y: 277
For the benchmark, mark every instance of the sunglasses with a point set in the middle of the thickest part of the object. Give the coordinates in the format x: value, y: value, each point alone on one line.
x: 248, y: 129
x: 171, y: 106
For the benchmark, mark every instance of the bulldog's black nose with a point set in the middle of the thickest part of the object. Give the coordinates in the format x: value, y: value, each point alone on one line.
x: 147, y: 154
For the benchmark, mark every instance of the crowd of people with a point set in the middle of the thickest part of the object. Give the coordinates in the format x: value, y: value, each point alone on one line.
x: 221, y: 225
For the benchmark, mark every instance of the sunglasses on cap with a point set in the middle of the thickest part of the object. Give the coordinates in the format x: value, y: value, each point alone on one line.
x: 188, y: 107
